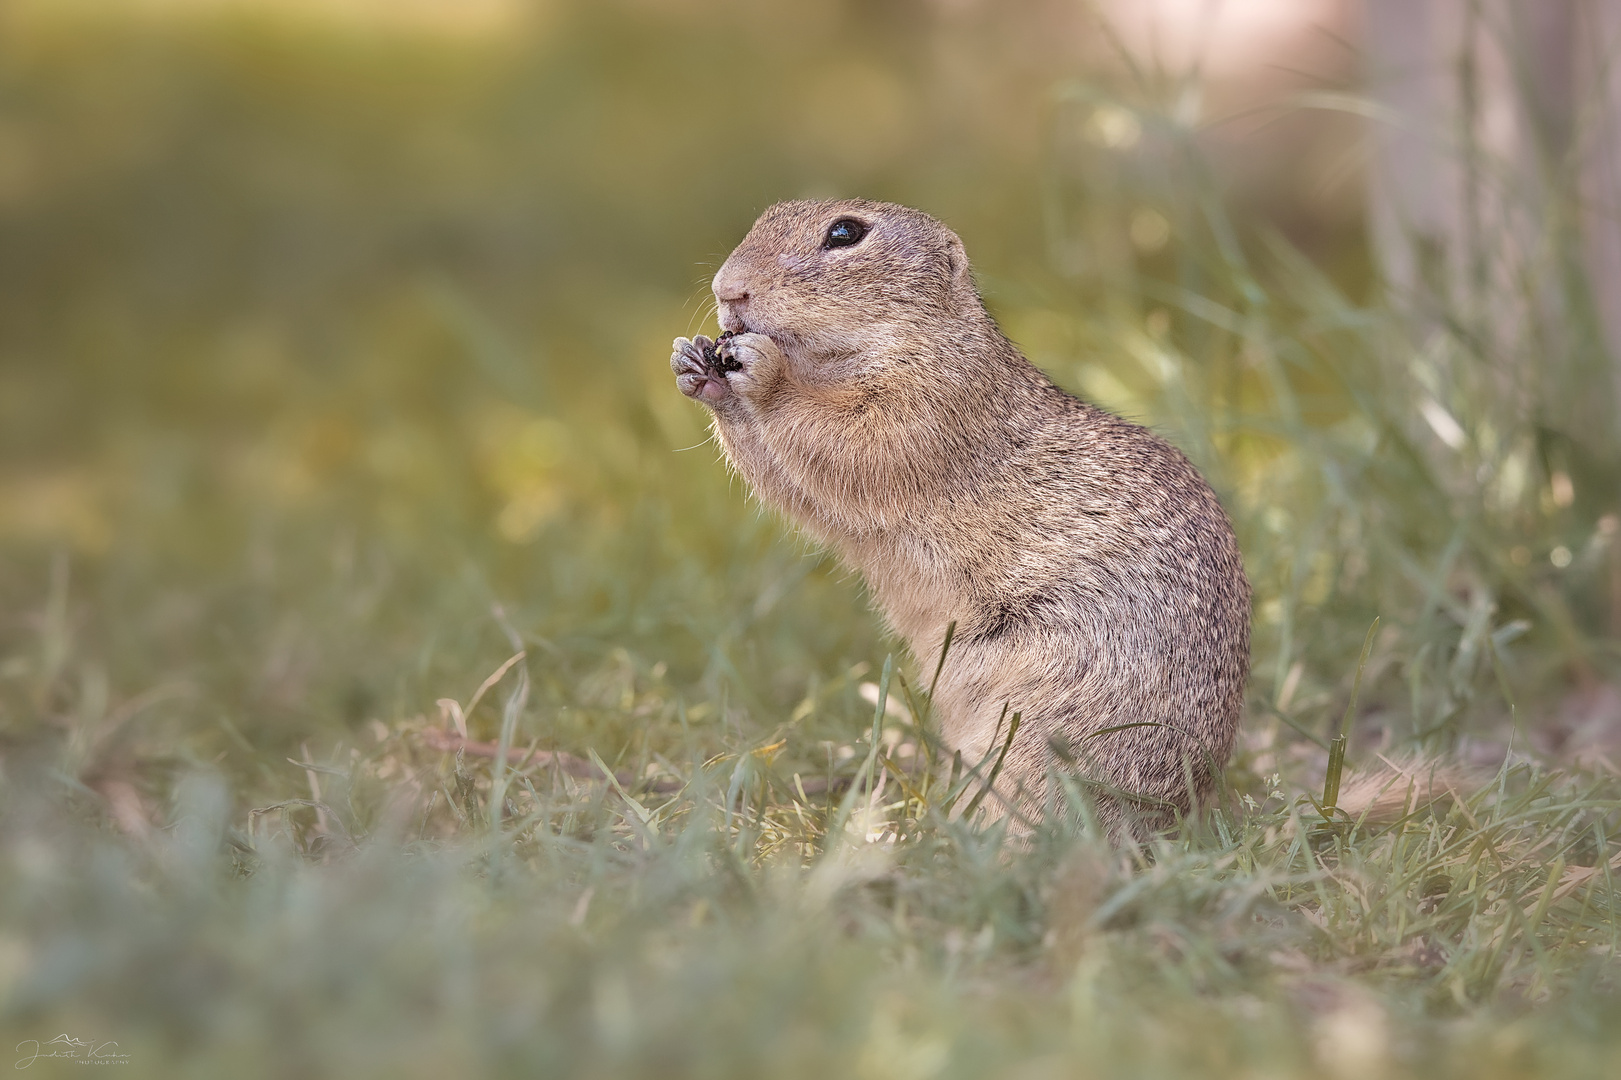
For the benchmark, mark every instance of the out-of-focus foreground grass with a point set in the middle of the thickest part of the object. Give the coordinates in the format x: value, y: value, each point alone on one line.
x: 332, y: 377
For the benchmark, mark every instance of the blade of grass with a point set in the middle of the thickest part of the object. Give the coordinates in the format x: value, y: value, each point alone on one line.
x: 990, y: 781
x: 1356, y: 683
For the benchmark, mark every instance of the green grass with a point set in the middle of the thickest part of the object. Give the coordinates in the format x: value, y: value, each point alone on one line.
x: 316, y: 410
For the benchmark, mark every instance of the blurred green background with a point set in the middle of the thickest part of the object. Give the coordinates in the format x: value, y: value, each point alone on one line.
x: 325, y: 324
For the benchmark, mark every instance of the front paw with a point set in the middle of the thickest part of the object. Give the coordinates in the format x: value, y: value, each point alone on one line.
x: 748, y: 360
x: 694, y: 375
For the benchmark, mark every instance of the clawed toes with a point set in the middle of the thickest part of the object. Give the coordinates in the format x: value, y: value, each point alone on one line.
x: 688, y: 355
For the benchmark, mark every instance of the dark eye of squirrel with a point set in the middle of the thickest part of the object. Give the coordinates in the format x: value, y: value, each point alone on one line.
x: 844, y: 232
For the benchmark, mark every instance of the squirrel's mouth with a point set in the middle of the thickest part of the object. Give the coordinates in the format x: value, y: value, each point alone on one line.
x: 732, y: 321
x: 733, y: 316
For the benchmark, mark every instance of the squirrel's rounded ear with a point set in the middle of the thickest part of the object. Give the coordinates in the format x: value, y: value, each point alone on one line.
x: 962, y: 282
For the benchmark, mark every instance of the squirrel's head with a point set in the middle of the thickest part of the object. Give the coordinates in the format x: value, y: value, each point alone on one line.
x: 825, y: 279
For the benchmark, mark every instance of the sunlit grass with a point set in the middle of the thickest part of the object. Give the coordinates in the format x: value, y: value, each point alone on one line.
x: 699, y: 916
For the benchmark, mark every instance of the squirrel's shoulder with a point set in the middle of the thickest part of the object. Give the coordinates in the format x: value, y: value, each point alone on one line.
x: 1076, y: 437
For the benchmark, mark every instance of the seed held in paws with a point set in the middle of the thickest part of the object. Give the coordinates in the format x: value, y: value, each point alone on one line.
x: 717, y: 363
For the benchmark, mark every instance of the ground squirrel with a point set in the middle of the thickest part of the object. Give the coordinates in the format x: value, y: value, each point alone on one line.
x: 862, y: 388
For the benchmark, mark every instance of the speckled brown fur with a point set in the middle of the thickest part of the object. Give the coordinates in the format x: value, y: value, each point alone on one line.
x: 1093, y: 576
